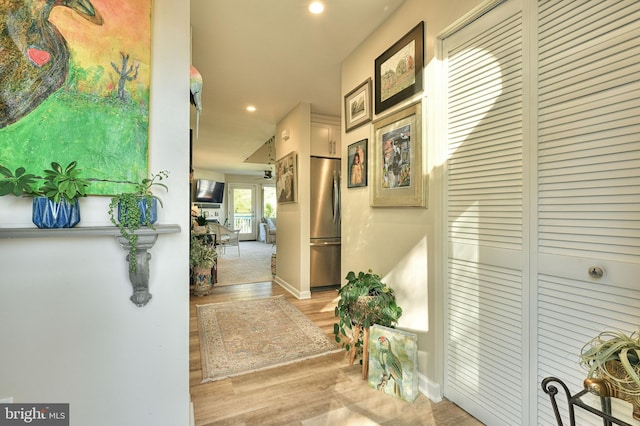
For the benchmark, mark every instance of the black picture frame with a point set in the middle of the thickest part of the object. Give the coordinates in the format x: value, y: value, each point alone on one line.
x: 357, y: 170
x: 406, y: 56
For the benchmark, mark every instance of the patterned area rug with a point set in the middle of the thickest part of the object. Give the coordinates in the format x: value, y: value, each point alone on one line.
x: 252, y: 266
x: 249, y: 335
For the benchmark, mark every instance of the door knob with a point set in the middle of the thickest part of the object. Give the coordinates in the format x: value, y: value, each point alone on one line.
x: 596, y: 272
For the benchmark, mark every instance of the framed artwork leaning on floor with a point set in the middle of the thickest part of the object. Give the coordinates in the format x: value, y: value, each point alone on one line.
x: 393, y: 362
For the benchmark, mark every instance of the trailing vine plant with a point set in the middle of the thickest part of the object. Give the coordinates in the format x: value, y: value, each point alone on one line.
x: 125, y: 211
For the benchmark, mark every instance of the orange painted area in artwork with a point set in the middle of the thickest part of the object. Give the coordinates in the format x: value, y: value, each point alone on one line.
x: 126, y: 28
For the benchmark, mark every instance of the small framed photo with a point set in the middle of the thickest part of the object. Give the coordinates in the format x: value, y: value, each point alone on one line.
x: 398, y: 71
x: 397, y: 175
x: 357, y: 161
x: 287, y: 178
x: 357, y: 106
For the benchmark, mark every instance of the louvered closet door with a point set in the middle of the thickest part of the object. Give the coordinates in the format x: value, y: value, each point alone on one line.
x: 484, y: 362
x: 589, y: 181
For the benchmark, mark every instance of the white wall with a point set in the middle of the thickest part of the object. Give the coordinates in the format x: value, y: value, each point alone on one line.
x: 69, y: 332
x: 400, y: 243
x: 293, y: 218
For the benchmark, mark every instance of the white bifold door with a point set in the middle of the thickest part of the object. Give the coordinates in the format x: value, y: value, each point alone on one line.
x: 542, y: 185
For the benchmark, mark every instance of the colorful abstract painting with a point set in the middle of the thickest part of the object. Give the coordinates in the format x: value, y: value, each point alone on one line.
x: 393, y: 362
x: 75, y: 83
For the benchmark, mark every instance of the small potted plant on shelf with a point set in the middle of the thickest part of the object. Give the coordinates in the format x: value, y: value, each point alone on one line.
x: 365, y: 300
x: 55, y: 202
x: 200, y: 225
x: 202, y: 260
x: 130, y: 211
x: 612, y: 361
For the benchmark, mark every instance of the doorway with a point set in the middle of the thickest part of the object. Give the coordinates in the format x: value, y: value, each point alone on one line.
x: 242, y: 210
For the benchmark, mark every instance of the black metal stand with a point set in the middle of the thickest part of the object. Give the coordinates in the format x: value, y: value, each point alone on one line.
x: 603, y: 412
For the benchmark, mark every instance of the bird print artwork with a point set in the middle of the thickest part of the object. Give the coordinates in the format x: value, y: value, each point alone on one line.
x: 34, y: 56
x: 393, y: 362
x: 391, y: 365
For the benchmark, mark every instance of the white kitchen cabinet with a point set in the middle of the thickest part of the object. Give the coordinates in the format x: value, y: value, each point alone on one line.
x: 325, y: 140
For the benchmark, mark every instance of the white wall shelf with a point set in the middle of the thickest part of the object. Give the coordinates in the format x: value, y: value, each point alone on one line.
x: 82, y: 231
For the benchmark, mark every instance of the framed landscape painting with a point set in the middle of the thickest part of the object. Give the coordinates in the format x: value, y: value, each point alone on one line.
x: 80, y: 92
x: 398, y: 71
x: 357, y: 106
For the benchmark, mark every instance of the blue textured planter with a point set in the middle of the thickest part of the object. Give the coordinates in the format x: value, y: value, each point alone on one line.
x: 142, y: 205
x: 47, y: 214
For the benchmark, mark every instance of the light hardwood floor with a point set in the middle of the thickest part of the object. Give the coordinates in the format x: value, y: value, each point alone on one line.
x: 320, y: 391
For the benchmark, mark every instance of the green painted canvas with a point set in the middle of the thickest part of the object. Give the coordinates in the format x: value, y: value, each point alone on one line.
x: 77, y: 89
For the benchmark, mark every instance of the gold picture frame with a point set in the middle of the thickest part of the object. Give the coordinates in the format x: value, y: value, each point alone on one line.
x: 398, y: 177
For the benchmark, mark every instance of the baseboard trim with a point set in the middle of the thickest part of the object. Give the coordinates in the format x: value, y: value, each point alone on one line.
x: 429, y: 388
x: 294, y: 291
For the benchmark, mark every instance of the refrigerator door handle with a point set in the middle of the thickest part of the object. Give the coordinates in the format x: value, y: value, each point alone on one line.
x: 336, y: 198
x: 327, y: 243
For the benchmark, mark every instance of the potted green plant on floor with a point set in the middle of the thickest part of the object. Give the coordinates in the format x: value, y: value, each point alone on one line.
x: 365, y: 300
x: 55, y: 201
x: 612, y: 361
x: 130, y: 211
x: 202, y: 260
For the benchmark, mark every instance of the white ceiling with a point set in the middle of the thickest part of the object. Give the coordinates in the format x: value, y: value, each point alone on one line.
x: 272, y: 54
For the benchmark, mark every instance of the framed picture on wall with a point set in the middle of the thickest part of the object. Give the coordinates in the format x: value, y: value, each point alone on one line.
x: 357, y: 106
x: 398, y: 175
x: 398, y: 71
x: 357, y: 161
x: 287, y: 178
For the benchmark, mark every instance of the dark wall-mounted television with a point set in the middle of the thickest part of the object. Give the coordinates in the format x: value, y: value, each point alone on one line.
x: 208, y: 191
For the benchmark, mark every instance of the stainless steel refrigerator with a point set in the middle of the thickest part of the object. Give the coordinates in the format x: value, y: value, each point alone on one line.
x: 325, y: 222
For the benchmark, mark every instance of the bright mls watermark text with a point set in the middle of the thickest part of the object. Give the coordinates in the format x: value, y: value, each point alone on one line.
x: 34, y: 414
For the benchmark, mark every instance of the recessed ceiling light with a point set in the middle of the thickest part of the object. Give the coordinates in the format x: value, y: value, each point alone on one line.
x: 251, y: 108
x: 316, y: 7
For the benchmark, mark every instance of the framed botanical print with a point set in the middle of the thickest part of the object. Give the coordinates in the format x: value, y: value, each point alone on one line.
x: 357, y: 106
x: 398, y: 175
x: 287, y: 178
x: 398, y: 71
x: 357, y: 161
